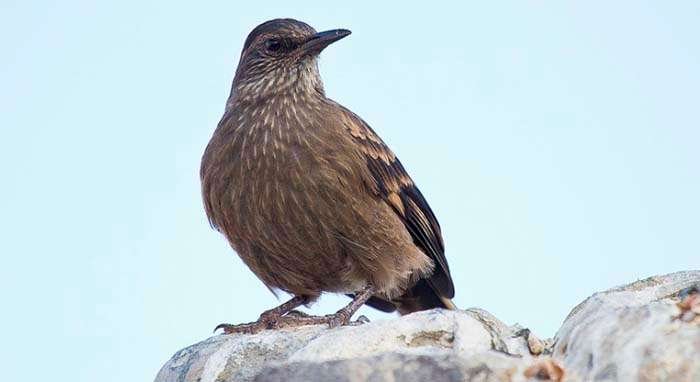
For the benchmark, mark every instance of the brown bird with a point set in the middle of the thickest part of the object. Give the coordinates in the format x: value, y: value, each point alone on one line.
x: 310, y: 197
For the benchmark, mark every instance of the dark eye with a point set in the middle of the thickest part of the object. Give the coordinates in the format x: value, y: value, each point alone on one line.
x: 273, y: 45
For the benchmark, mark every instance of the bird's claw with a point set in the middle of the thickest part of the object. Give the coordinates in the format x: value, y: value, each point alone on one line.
x: 335, y: 321
x: 267, y: 320
x: 247, y: 328
x: 361, y: 320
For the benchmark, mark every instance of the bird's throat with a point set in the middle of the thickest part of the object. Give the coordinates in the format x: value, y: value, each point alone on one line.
x: 301, y: 80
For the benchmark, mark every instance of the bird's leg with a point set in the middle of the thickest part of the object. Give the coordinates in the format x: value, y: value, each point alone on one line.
x: 339, y: 318
x: 268, y: 319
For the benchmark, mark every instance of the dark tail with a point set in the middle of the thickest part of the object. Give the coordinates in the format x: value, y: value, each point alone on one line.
x: 421, y: 297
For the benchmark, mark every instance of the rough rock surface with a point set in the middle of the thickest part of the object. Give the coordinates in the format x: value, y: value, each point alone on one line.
x: 639, y: 332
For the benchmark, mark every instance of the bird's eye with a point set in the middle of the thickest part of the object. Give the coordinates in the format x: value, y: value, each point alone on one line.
x: 273, y: 45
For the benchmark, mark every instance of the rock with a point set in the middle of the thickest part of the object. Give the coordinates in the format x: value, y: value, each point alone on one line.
x: 639, y: 332
x: 447, y: 345
x: 546, y: 370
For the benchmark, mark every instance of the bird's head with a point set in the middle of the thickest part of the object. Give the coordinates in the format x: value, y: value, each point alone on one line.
x: 281, y: 55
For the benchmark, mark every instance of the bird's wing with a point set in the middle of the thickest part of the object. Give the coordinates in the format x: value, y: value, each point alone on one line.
x: 391, y: 183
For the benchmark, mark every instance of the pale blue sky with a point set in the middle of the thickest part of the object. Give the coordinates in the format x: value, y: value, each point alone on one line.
x: 557, y: 144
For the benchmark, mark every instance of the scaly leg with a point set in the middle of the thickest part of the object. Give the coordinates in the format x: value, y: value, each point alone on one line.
x: 268, y: 319
x: 341, y: 317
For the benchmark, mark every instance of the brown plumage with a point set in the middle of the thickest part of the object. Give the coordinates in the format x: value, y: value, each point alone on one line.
x: 309, y: 196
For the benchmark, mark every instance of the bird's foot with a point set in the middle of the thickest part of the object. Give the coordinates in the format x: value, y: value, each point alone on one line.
x: 297, y: 313
x: 339, y: 318
x: 292, y: 319
x: 268, y: 320
x: 360, y: 321
x: 284, y: 316
x: 247, y: 328
x: 344, y: 320
x: 296, y: 319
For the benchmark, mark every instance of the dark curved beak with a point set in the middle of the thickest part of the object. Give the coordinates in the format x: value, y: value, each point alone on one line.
x: 321, y: 40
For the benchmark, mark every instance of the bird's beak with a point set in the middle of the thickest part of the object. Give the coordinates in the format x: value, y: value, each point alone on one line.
x: 321, y: 40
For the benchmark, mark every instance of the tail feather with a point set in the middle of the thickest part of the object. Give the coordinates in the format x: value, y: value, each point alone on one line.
x: 448, y: 303
x: 421, y: 297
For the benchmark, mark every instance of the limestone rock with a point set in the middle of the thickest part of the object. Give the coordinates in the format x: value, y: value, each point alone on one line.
x: 639, y: 332
x: 636, y: 332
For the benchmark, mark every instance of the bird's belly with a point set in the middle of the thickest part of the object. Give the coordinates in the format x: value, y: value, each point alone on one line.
x: 286, y: 221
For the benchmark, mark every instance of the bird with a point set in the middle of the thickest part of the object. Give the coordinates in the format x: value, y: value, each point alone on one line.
x: 310, y: 197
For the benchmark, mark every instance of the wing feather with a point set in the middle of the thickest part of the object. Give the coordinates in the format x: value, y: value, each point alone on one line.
x: 391, y: 182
